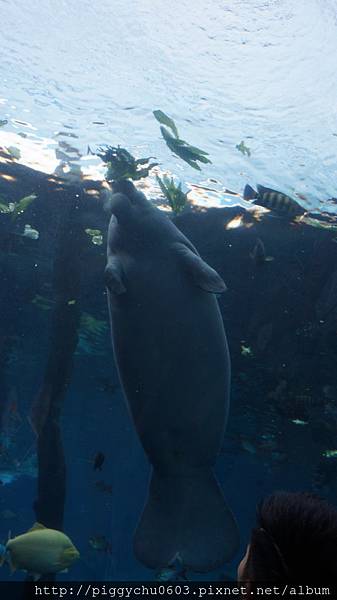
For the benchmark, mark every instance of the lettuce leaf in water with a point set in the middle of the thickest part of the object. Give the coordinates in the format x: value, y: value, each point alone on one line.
x: 122, y: 165
x: 4, y: 208
x: 17, y: 208
x: 22, y: 205
x: 14, y: 152
x: 176, y: 198
x: 190, y: 154
x: 167, y: 121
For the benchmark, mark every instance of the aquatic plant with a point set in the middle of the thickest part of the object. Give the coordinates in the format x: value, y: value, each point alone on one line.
x: 243, y: 148
x: 14, y: 152
x: 188, y: 153
x: 17, y: 208
x: 22, y: 205
x: 4, y: 208
x: 122, y: 165
x: 176, y: 198
x: 95, y: 236
x: 167, y: 121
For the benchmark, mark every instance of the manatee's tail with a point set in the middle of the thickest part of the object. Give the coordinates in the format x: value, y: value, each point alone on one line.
x: 186, y: 515
x: 249, y: 193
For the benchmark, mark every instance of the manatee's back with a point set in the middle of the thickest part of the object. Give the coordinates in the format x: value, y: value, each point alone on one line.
x: 172, y: 356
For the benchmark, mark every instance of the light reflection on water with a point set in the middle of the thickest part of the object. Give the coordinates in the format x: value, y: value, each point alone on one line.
x: 262, y: 72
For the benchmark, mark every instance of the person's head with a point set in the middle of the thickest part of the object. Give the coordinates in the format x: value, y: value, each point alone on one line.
x: 295, y: 540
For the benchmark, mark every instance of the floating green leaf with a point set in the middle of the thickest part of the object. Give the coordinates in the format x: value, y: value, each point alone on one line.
x: 93, y: 232
x: 14, y: 152
x: 243, y: 148
x: 176, y: 198
x: 122, y: 165
x: 167, y: 121
x: 189, y: 154
x: 96, y: 236
x: 329, y: 453
x: 22, y: 205
x: 4, y: 208
x: 30, y: 233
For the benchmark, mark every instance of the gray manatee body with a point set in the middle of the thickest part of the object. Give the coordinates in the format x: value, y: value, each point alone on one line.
x: 173, y: 362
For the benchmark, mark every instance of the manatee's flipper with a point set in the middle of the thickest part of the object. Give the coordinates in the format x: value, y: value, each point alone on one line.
x: 113, y: 276
x: 203, y: 275
x: 249, y: 193
x: 186, y: 515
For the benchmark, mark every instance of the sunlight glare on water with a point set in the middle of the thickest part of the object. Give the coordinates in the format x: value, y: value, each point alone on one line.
x: 258, y: 71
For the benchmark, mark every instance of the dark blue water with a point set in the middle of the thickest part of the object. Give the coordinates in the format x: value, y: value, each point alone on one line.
x: 261, y: 72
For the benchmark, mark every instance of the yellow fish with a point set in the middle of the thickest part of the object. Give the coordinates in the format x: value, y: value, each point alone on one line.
x: 40, y: 551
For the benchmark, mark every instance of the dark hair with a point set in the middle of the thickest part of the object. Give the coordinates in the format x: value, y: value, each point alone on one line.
x: 295, y: 540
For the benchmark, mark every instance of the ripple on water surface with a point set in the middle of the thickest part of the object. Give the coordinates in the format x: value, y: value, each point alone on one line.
x: 262, y: 72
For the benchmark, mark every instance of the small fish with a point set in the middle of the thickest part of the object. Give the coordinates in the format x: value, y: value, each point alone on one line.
x: 103, y: 487
x: 100, y: 543
x: 3, y: 122
x: 246, y: 350
x: 258, y: 254
x: 299, y: 422
x: 175, y: 571
x: 277, y: 202
x: 98, y: 461
x: 247, y: 445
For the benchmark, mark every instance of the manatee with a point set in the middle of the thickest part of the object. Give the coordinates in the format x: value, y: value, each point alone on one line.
x: 173, y: 363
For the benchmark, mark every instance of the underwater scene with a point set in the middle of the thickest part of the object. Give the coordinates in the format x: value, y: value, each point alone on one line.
x: 168, y: 280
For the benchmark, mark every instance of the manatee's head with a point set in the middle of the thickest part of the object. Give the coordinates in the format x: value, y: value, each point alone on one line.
x: 126, y: 200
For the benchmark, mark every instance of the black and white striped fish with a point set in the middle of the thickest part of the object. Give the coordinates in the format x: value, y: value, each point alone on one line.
x: 277, y: 202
